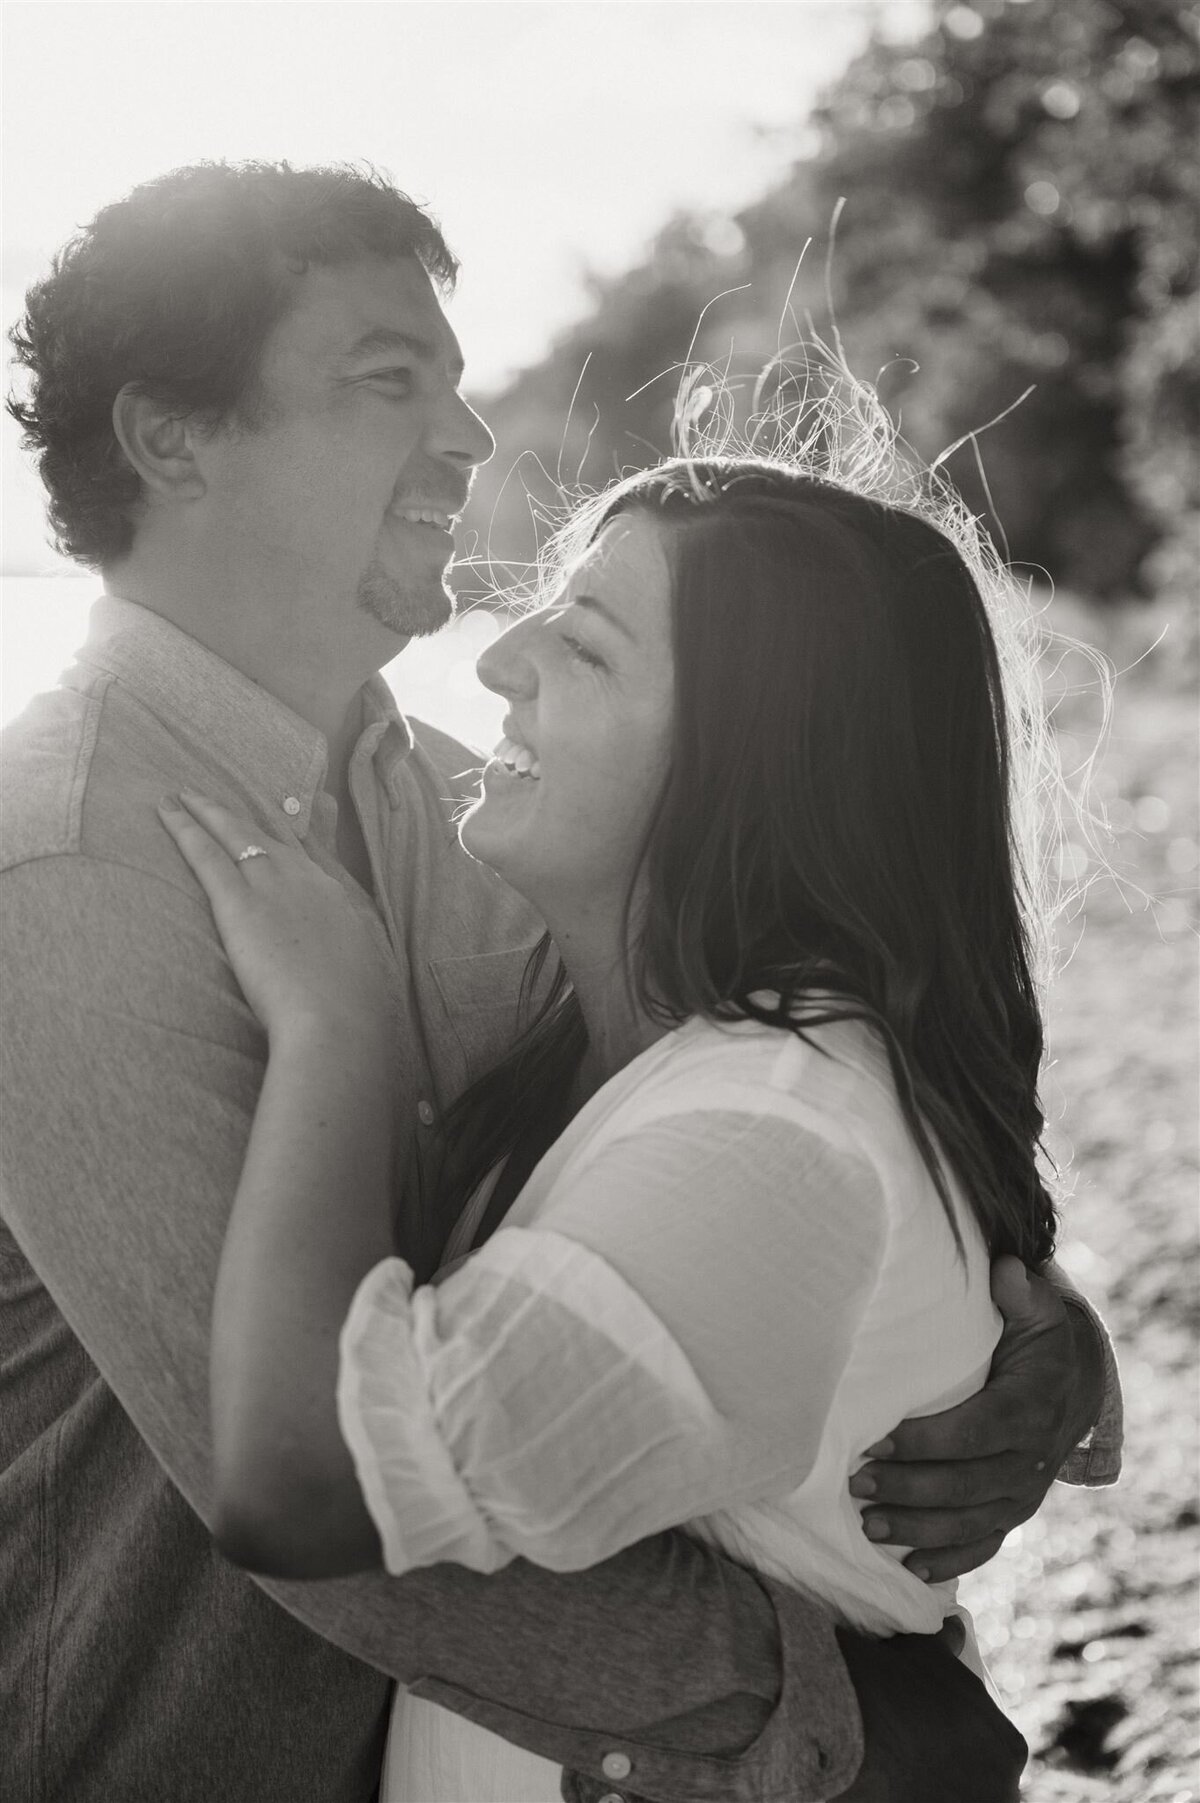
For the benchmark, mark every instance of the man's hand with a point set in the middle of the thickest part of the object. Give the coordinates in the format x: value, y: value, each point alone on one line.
x: 951, y: 1486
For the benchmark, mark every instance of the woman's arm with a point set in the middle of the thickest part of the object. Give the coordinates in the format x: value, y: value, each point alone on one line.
x: 312, y: 1210
x: 310, y: 1218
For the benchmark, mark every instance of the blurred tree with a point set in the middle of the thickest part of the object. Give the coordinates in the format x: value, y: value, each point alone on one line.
x: 1022, y: 194
x: 1023, y: 191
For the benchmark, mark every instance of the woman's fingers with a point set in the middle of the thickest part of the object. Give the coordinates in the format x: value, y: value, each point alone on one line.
x: 209, y: 860
x: 232, y: 832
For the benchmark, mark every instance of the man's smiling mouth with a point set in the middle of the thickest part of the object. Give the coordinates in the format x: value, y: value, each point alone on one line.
x: 426, y: 516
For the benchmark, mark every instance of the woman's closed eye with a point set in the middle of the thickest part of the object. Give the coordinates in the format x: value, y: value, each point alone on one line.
x: 582, y: 653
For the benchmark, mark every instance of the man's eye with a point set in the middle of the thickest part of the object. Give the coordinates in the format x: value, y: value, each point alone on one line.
x: 394, y: 378
x: 579, y: 651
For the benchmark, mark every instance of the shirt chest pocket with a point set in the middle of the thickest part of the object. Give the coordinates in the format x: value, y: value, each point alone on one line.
x: 480, y: 996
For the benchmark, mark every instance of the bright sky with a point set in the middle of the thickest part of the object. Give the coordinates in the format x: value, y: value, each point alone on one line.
x: 550, y: 136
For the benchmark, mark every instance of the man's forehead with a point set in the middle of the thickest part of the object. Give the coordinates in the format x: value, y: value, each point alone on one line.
x: 354, y: 311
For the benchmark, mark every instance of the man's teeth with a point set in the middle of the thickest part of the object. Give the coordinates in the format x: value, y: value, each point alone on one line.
x: 426, y: 516
x: 518, y: 759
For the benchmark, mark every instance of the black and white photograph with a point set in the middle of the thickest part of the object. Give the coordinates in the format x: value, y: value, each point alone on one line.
x: 599, y: 1022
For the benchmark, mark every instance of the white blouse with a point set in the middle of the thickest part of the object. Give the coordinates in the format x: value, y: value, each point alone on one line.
x: 729, y: 1277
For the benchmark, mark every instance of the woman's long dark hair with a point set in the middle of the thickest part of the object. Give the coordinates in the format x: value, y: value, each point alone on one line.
x: 834, y: 829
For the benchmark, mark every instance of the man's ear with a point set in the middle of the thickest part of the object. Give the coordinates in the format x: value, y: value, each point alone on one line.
x: 159, y: 445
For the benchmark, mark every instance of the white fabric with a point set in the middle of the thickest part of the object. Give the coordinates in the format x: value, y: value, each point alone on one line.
x: 433, y: 1756
x: 729, y: 1277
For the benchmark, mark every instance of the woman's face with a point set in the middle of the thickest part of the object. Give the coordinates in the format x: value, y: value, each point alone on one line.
x: 589, y: 681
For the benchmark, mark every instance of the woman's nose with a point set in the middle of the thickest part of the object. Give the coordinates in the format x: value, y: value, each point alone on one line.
x: 504, y: 667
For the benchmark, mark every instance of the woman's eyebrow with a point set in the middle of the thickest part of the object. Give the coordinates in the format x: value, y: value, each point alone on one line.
x: 594, y: 603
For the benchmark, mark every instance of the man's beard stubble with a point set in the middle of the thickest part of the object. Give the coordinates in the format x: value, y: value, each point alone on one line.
x: 414, y: 610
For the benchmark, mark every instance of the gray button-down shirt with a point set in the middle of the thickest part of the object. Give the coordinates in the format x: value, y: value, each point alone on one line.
x: 134, y: 1662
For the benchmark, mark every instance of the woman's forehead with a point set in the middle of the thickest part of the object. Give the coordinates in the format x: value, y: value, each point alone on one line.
x: 629, y: 557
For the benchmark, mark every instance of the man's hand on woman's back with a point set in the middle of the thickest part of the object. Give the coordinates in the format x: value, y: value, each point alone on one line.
x: 951, y: 1486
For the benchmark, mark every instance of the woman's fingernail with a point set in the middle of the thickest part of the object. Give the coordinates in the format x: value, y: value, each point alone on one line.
x: 882, y: 1449
x: 877, y: 1527
x: 168, y: 804
x: 862, y: 1485
x: 920, y: 1571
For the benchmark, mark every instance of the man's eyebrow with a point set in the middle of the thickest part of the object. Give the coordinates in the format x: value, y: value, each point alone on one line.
x: 388, y: 338
x: 597, y: 606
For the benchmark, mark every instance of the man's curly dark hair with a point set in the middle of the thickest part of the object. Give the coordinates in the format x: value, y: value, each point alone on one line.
x: 174, y: 290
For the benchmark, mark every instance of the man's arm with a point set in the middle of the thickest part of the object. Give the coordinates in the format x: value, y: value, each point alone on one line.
x: 1098, y: 1427
x: 131, y: 1065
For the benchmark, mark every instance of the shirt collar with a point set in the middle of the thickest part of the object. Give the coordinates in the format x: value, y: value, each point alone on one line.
x: 387, y: 737
x: 271, y: 749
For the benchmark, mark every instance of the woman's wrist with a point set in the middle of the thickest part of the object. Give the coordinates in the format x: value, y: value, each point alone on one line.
x: 347, y: 1033
x: 341, y: 1066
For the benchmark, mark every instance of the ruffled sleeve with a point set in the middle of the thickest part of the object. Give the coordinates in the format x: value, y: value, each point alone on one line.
x: 667, y: 1344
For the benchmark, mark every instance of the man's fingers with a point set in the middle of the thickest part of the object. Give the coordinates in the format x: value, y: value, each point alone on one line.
x: 942, y: 1530
x: 960, y: 1485
x: 936, y: 1565
x: 980, y: 1428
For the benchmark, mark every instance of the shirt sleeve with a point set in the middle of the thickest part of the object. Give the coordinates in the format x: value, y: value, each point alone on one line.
x: 665, y: 1341
x: 1097, y: 1461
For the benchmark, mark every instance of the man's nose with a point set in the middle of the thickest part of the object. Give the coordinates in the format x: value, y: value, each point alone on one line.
x: 460, y: 436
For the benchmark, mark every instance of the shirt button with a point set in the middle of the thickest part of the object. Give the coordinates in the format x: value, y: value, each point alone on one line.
x: 612, y: 1796
x: 616, y: 1765
x: 425, y: 1116
x: 291, y: 805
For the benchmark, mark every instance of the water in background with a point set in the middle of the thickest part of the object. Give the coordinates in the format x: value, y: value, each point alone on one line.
x: 43, y: 619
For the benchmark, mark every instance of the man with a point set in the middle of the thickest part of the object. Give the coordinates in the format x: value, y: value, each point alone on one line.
x: 246, y: 403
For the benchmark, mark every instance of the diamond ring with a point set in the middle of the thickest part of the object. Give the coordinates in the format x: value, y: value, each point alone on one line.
x: 252, y: 851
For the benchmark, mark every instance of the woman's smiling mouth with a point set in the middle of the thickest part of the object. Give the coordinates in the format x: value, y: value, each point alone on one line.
x: 517, y: 759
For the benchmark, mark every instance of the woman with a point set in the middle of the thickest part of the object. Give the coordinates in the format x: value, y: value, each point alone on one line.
x: 747, y: 1167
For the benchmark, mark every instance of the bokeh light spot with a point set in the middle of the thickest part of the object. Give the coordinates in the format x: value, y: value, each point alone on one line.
x: 962, y: 22
x: 1060, y: 99
x: 1042, y: 198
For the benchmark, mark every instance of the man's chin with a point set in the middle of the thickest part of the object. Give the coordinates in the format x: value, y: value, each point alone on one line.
x: 410, y: 610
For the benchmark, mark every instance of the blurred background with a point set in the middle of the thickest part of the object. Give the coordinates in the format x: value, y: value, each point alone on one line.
x: 1021, y: 183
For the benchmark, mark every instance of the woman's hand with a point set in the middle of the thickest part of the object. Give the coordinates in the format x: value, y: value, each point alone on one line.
x: 301, y: 952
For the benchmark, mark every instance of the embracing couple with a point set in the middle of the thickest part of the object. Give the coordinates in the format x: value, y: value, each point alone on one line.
x: 621, y: 1339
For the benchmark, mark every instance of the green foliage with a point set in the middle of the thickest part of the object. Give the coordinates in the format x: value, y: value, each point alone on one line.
x: 1022, y: 190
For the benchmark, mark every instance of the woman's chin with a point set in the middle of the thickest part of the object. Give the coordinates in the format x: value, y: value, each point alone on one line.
x: 487, y: 838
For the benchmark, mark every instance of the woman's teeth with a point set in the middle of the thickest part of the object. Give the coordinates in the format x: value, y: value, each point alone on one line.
x: 517, y: 759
